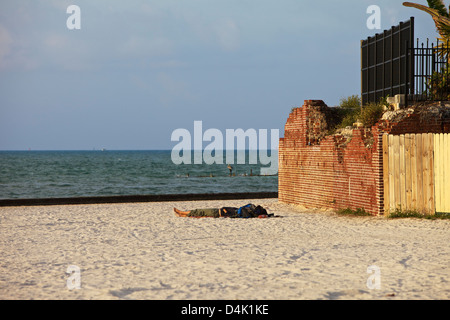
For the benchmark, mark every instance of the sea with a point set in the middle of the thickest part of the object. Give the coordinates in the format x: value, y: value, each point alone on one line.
x: 66, y: 174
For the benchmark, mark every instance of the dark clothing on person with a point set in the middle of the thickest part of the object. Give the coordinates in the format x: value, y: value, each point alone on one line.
x: 204, y: 213
x: 247, y: 211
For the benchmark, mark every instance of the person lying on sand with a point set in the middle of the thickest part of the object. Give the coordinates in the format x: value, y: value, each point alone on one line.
x: 247, y: 211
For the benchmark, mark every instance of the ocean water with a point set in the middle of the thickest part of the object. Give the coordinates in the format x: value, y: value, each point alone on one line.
x: 55, y: 174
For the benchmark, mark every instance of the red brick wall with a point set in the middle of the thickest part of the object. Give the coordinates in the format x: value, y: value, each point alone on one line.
x: 319, y: 171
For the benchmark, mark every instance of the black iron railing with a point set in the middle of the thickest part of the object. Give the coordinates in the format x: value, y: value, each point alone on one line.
x: 392, y: 65
x: 431, y: 72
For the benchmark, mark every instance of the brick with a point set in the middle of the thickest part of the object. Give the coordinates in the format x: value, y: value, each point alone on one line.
x: 320, y: 171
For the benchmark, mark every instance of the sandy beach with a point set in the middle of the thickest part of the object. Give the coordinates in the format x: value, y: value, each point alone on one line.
x: 143, y: 251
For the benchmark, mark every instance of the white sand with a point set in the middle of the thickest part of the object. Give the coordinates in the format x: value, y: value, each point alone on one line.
x: 142, y: 251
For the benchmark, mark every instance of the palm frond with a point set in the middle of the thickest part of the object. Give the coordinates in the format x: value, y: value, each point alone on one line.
x: 439, y: 6
x: 433, y: 12
x: 442, y: 22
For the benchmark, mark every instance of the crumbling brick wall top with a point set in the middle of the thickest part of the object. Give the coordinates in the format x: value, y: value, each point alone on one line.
x: 429, y: 117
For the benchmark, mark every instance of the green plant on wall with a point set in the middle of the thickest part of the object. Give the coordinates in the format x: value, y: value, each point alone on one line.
x: 439, y: 85
x: 349, y: 112
x: 371, y: 113
x: 349, y: 109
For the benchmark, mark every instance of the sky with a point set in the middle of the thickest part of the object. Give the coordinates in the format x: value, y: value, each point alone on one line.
x: 137, y: 70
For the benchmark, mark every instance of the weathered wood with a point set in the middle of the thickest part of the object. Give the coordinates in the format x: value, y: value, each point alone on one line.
x: 414, y: 179
x: 431, y: 188
x: 397, y: 195
x: 391, y: 174
x: 408, y: 174
x: 402, y: 173
x: 437, y: 169
x: 386, y: 172
x: 419, y: 173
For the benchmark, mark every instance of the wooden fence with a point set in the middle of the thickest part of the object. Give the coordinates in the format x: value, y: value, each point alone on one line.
x: 442, y: 172
x: 416, y: 169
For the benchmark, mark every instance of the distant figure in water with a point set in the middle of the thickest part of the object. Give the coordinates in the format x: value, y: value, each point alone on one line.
x: 230, y: 168
x: 247, y: 211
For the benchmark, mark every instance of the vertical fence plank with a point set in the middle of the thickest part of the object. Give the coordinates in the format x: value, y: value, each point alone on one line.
x: 386, y: 173
x: 419, y: 173
x: 446, y: 184
x: 428, y: 178
x: 391, y: 174
x: 431, y: 188
x: 413, y: 150
x: 443, y: 176
x: 402, y: 173
x: 408, y: 174
x: 426, y: 173
x: 437, y: 170
x: 397, y: 195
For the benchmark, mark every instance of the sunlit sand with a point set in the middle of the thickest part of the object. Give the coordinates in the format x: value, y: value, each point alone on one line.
x: 144, y: 251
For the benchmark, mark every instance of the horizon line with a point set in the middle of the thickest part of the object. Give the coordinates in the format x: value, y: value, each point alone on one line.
x: 104, y: 149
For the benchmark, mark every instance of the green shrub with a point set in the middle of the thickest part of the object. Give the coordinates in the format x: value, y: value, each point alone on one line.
x: 442, y: 215
x: 347, y: 112
x: 405, y: 214
x: 439, y: 85
x: 353, y: 102
x: 349, y: 119
x: 397, y: 214
x: 349, y: 212
x: 371, y: 114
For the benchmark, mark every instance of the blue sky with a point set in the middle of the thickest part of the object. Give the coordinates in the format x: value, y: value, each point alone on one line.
x: 139, y: 69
